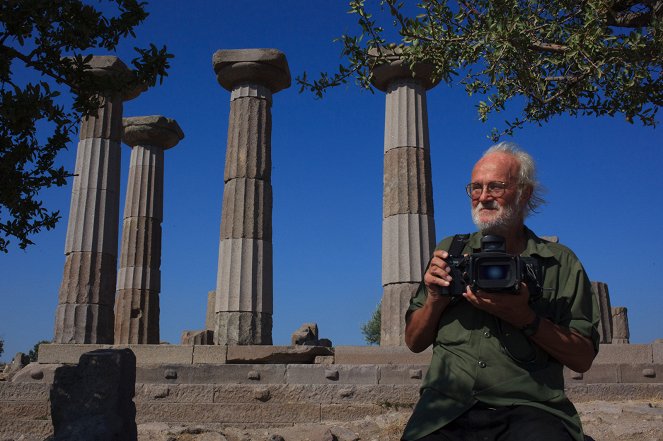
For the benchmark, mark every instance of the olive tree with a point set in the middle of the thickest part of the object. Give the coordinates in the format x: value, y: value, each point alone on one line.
x: 546, y: 58
x: 51, y: 41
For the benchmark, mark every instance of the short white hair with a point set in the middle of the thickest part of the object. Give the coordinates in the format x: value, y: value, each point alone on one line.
x: 526, y: 174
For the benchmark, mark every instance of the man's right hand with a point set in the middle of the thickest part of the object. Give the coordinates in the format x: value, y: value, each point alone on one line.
x: 437, y: 275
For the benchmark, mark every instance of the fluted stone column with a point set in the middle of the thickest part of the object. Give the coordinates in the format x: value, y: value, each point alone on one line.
x: 243, y: 304
x: 85, y: 302
x: 621, y: 333
x: 605, y: 311
x: 139, y: 275
x: 408, y: 226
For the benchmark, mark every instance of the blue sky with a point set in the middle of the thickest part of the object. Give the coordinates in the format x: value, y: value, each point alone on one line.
x: 603, y: 180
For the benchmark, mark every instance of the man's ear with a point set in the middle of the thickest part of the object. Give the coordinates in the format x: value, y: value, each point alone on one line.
x: 526, y: 194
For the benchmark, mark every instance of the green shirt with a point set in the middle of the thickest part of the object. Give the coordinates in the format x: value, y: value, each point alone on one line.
x: 470, y: 364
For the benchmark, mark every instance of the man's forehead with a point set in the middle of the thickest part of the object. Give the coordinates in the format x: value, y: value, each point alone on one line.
x: 498, y: 163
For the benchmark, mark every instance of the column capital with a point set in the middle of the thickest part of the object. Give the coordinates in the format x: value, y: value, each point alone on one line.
x: 154, y: 130
x: 109, y: 66
x: 394, y: 68
x: 267, y: 67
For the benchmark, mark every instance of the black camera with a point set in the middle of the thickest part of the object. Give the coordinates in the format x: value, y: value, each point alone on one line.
x: 493, y: 270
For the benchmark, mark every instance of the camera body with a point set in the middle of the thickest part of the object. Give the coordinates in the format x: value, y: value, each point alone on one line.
x: 492, y: 270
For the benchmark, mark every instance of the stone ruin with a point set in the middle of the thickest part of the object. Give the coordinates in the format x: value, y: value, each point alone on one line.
x: 229, y: 373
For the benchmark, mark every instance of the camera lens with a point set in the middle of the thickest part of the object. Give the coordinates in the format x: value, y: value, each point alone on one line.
x: 494, y: 272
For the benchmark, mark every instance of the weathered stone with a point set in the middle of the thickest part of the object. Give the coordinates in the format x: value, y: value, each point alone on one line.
x: 395, y: 301
x: 210, y: 312
x: 407, y: 182
x: 408, y: 241
x: 248, y: 151
x: 205, y: 337
x: 106, y: 123
x: 244, y: 279
x: 155, y: 130
x: 605, y: 311
x: 268, y: 67
x: 137, y: 316
x: 19, y: 361
x: 83, y: 323
x: 247, y: 210
x: 243, y: 328
x: 244, y: 354
x: 620, y: 328
x: 394, y: 69
x: 307, y: 334
x: 94, y: 399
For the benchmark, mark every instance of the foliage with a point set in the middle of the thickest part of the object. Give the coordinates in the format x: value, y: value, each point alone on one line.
x: 2, y: 346
x: 34, y: 352
x: 46, y: 39
x: 591, y: 57
x: 371, y: 329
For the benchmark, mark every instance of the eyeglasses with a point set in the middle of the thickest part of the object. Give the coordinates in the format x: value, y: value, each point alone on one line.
x: 494, y: 189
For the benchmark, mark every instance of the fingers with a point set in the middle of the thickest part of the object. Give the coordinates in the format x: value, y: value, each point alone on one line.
x: 437, y: 275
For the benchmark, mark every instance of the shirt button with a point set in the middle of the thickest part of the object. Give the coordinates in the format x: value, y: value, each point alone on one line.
x: 487, y: 334
x: 482, y: 364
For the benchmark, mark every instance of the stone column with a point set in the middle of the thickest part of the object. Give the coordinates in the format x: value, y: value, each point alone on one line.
x: 139, y: 276
x: 408, y: 226
x: 621, y: 333
x: 605, y: 311
x: 243, y: 306
x: 85, y: 302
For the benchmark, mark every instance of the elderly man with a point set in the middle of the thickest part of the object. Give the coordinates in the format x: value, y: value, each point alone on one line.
x: 496, y: 370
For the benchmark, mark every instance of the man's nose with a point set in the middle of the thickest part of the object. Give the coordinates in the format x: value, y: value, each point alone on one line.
x: 485, y: 194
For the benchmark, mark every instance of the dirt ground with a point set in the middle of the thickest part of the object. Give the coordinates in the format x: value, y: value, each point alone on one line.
x: 603, y: 421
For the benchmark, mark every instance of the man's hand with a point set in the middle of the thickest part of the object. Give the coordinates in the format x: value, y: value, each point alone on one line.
x: 437, y: 275
x: 511, y: 308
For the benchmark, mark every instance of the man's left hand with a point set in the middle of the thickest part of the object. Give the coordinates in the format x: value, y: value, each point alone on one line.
x: 512, y: 308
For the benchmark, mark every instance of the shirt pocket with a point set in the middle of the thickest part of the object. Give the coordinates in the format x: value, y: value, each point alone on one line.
x: 456, y: 324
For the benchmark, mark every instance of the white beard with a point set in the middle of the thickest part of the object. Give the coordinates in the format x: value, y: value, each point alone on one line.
x: 504, y: 218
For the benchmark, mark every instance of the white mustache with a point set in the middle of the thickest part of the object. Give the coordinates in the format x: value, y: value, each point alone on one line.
x: 490, y: 205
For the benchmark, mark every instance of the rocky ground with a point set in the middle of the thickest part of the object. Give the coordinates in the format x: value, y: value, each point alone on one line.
x: 603, y: 421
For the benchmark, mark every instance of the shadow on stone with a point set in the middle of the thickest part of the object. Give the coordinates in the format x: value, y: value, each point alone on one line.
x: 94, y: 399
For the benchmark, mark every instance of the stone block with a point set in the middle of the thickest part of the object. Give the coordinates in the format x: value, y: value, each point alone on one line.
x: 26, y: 430
x: 620, y: 331
x: 144, y: 195
x: 268, y: 67
x: 228, y: 413
x: 641, y: 373
x: 210, y: 316
x: 306, y: 334
x: 401, y: 374
x: 602, y: 294
x: 154, y: 130
x: 106, y: 124
x: 176, y: 393
x: 406, y: 116
x: 93, y: 225
x: 249, y: 144
x: 657, y: 352
x: 94, y: 400
x: 21, y: 391
x: 243, y: 328
x: 247, y: 354
x: 244, y: 280
x: 137, y: 317
x: 161, y: 354
x: 83, y: 324
x: 599, y: 373
x: 393, y: 68
x: 212, y: 354
x: 616, y: 392
x: 407, y: 182
x: 247, y: 210
x: 24, y: 410
x: 353, y: 355
x: 395, y: 301
x: 205, y: 337
x: 212, y: 374
x: 408, y: 241
x: 56, y: 353
x: 349, y: 412
x: 637, y: 354
x: 140, y: 255
x: 88, y: 278
x: 320, y: 374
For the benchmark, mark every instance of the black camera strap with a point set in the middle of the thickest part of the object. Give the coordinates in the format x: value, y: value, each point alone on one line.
x: 458, y: 244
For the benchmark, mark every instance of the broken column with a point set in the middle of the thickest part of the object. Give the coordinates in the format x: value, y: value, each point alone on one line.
x: 85, y: 301
x: 408, y: 226
x: 605, y: 311
x: 139, y: 275
x: 620, y: 332
x: 243, y: 306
